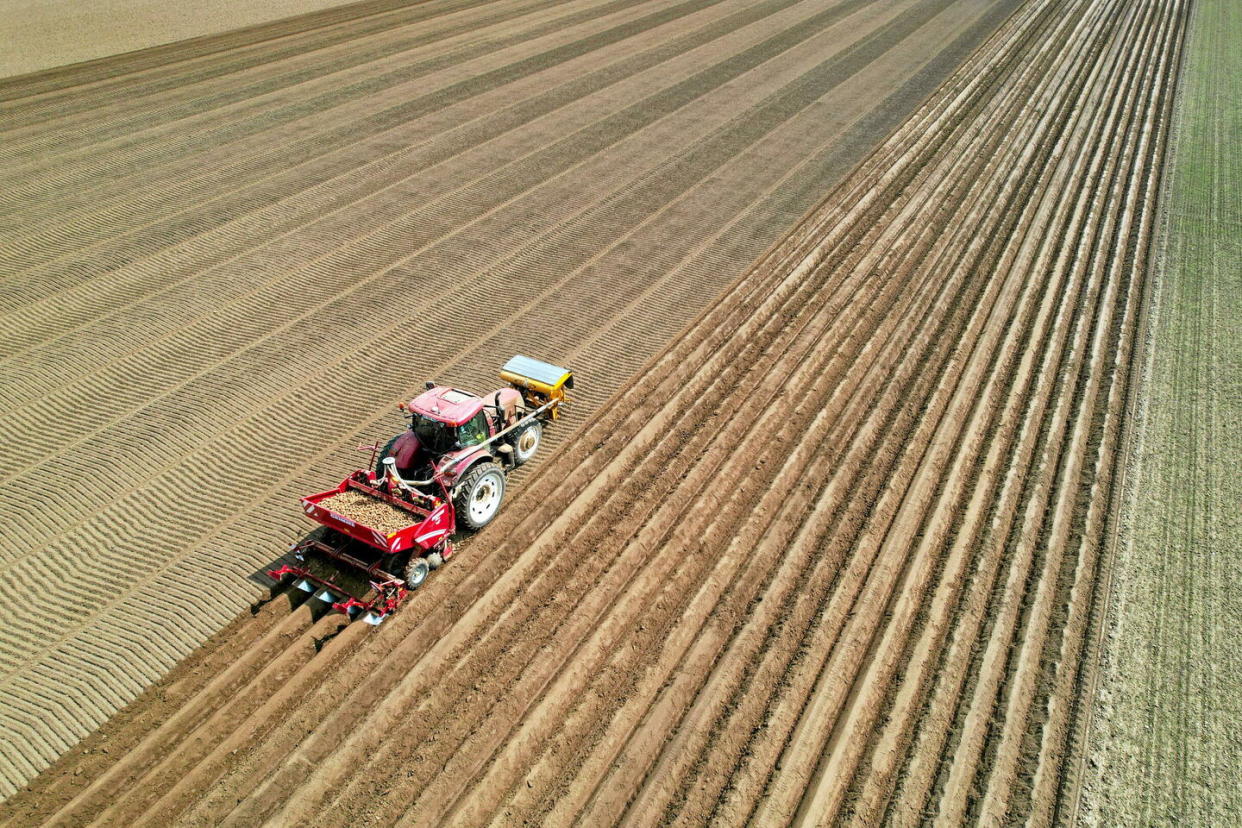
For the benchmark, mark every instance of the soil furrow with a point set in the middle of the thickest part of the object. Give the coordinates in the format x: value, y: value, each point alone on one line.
x: 342, y: 193
x: 974, y: 510
x: 199, y: 97
x: 831, y: 553
x: 1004, y: 512
x: 678, y: 751
x: 1047, y: 550
x: 291, y: 144
x: 1079, y: 528
x: 1052, y: 767
x: 448, y: 183
x: 202, y: 57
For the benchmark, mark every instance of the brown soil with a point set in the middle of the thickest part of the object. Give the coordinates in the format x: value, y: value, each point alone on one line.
x: 825, y: 558
x: 40, y: 34
x: 221, y: 271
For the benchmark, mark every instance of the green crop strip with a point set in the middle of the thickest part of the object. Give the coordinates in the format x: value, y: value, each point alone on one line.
x: 1167, y: 749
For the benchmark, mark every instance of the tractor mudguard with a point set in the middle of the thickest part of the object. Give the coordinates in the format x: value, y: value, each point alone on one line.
x: 406, y: 449
x: 462, y: 469
x: 509, y: 399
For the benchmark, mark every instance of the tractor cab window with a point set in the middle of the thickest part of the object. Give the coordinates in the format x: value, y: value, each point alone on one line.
x: 435, y: 436
x: 473, y: 431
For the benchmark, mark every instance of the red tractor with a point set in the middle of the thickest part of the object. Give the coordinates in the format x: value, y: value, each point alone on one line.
x: 447, y: 469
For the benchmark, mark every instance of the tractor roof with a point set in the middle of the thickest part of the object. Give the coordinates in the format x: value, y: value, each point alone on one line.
x: 450, y: 406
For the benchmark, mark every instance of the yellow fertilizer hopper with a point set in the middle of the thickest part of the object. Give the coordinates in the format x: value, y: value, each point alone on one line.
x: 540, y: 383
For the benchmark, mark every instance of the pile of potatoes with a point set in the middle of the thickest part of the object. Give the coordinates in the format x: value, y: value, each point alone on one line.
x: 381, y: 516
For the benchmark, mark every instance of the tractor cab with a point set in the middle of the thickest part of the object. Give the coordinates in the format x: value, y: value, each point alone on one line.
x: 445, y: 419
x: 449, y: 430
x: 450, y: 406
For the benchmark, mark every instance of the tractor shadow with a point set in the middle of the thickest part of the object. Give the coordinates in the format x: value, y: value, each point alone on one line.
x: 283, y: 589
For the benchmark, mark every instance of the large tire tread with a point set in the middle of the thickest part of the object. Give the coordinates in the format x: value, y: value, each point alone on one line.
x: 465, y: 489
x: 385, y: 452
x: 535, y: 427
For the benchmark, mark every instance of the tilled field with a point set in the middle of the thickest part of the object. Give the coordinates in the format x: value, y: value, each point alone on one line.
x: 224, y: 261
x: 831, y: 556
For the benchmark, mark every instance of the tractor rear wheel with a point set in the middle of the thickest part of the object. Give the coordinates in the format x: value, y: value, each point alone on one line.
x: 416, y: 572
x: 380, y: 470
x: 479, y: 495
x: 526, y: 442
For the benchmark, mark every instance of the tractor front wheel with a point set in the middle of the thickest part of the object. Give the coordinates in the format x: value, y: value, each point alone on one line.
x: 479, y: 495
x: 416, y: 572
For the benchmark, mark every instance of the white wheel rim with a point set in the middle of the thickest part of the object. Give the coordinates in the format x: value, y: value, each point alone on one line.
x: 420, y: 576
x: 528, y: 442
x: 485, y: 498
